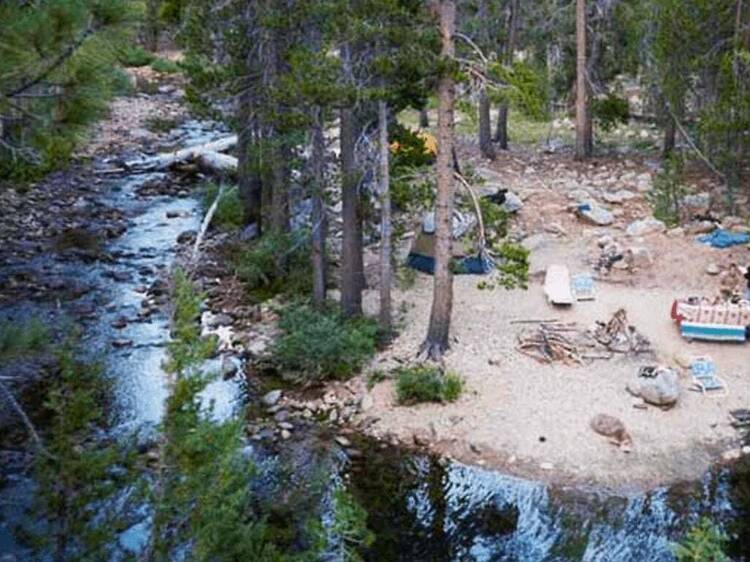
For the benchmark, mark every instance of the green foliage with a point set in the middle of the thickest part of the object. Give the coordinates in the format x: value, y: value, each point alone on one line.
x: 204, y: 498
x: 276, y: 263
x: 610, y: 111
x: 230, y: 212
x: 134, y: 55
x: 425, y: 383
x: 165, y: 66
x: 187, y: 347
x: 320, y: 345
x: 161, y: 124
x: 349, y: 527
x: 57, y: 61
x: 512, y: 270
x: 526, y: 88
x: 495, y: 219
x: 667, y: 191
x: 703, y: 543
x: 121, y: 84
x: 79, y: 473
x: 19, y: 340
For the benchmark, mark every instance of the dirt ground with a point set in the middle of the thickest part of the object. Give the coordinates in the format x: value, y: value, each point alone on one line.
x: 532, y: 419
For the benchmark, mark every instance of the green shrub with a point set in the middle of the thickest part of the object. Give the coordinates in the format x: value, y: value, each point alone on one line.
x: 276, y: 263
x: 134, y: 55
x: 121, y: 83
x: 161, y: 124
x: 165, y: 66
x: 512, y: 267
x: 703, y: 543
x: 230, y: 213
x: 18, y: 340
x: 425, y: 383
x: 610, y: 111
x: 495, y: 219
x: 667, y: 191
x: 319, y: 345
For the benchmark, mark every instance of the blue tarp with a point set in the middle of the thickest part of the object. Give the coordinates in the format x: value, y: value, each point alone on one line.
x: 721, y: 238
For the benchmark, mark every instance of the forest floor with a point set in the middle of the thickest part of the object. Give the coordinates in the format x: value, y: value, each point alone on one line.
x: 532, y: 419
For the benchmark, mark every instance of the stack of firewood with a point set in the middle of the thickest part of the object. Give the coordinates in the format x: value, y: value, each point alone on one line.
x: 551, y: 341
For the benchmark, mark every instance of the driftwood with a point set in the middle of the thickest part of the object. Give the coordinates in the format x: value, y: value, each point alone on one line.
x: 206, y: 223
x: 208, y: 155
x: 619, y: 336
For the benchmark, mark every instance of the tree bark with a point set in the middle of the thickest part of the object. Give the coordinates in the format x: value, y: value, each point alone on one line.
x: 501, y: 132
x: 583, y: 123
x: 152, y: 25
x: 248, y: 177
x: 385, y: 219
x: 424, y: 118
x: 319, y: 225
x: 485, y: 126
x: 352, y: 261
x: 352, y: 268
x: 670, y: 135
x: 436, y: 342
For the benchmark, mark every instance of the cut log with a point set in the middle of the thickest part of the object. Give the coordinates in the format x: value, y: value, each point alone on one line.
x: 190, y: 154
x: 217, y: 163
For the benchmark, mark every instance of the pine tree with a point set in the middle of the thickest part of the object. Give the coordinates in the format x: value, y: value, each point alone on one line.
x: 56, y: 75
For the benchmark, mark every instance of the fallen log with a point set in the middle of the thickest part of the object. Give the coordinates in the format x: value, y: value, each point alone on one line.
x: 210, y: 152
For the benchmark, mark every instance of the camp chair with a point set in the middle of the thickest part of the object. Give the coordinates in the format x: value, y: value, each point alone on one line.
x: 705, y: 379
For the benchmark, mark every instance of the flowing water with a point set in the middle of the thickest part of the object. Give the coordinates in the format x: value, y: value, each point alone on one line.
x: 420, y: 508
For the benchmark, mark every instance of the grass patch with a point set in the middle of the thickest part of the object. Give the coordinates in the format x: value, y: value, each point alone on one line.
x: 425, y: 383
x: 375, y: 377
x: 230, y: 213
x: 18, y: 340
x: 318, y: 345
x: 165, y: 66
x: 134, y: 55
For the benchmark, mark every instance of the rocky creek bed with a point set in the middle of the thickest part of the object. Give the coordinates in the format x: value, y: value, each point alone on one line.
x: 420, y: 507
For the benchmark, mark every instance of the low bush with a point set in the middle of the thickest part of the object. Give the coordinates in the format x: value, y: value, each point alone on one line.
x: 667, y: 191
x: 318, y: 345
x: 276, y: 263
x: 165, y: 66
x: 426, y: 384
x: 703, y: 542
x: 610, y: 111
x: 134, y: 55
x: 17, y: 340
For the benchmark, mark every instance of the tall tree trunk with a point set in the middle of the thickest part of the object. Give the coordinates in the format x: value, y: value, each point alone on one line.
x: 424, y: 118
x: 280, y: 156
x: 670, y: 135
x: 352, y: 261
x: 152, y: 25
x: 501, y: 132
x: 319, y: 226
x: 485, y: 126
x: 248, y: 177
x: 442, y: 299
x: 385, y: 219
x: 583, y: 147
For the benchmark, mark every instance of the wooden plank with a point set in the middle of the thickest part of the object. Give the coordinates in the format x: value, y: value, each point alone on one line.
x: 557, y: 285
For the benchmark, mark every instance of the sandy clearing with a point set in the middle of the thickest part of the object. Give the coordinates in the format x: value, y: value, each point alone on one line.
x: 533, y: 419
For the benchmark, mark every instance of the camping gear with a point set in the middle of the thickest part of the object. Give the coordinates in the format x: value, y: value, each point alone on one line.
x: 721, y: 238
x: 702, y: 319
x: 422, y: 254
x: 619, y: 336
x: 557, y: 285
x: 583, y: 287
x: 705, y: 379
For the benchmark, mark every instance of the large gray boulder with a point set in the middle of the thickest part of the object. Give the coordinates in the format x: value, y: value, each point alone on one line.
x: 663, y: 389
